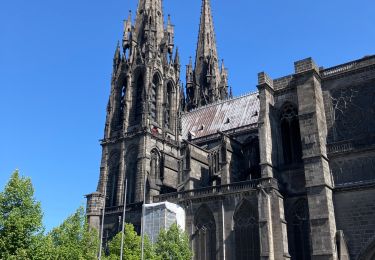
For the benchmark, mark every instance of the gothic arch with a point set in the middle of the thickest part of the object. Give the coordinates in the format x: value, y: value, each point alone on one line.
x: 154, y: 93
x: 131, y: 173
x: 138, y: 95
x: 113, y: 168
x: 251, y: 157
x: 170, y: 103
x: 290, y: 133
x: 118, y: 102
x: 187, y: 158
x: 205, y: 234
x: 368, y: 252
x: 122, y: 95
x: 156, y: 170
x: 299, y: 231
x: 246, y: 231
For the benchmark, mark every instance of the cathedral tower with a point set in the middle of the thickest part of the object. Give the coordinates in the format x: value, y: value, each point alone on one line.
x: 206, y: 83
x: 142, y: 124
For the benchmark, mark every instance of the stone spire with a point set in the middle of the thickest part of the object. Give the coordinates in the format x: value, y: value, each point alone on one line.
x: 117, y: 58
x: 127, y: 31
x: 206, y: 47
x: 149, y: 22
x: 206, y: 86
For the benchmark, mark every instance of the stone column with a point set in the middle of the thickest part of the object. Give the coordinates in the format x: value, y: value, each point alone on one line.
x: 317, y: 174
x: 141, y: 158
x: 103, y: 170
x: 279, y: 228
x: 265, y: 87
x: 265, y: 226
x: 128, y: 104
x: 121, y: 179
x: 225, y: 171
x: 95, y: 203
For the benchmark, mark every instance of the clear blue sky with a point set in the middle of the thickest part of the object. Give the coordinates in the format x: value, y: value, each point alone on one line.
x: 56, y: 60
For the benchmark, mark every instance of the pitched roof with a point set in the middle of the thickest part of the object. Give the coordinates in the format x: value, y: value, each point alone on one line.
x: 222, y: 116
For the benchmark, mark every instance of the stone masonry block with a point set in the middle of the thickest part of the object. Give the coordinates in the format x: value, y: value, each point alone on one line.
x: 305, y: 65
x: 263, y: 78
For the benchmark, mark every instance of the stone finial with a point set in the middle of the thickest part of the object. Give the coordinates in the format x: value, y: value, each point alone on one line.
x: 305, y: 65
x: 177, y: 57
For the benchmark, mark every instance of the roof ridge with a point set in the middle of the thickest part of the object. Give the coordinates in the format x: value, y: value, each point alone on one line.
x: 223, y: 101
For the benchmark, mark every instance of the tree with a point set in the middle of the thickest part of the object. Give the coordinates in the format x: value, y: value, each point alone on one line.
x: 173, y: 244
x: 132, y: 246
x: 20, y: 219
x: 73, y: 240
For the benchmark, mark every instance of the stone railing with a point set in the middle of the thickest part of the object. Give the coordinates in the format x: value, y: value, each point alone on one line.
x: 348, y: 66
x: 339, y: 147
x: 218, y: 190
x: 117, y: 209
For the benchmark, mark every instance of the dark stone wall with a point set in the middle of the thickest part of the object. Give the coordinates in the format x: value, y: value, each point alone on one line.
x: 353, y: 168
x: 355, y: 215
x: 350, y: 111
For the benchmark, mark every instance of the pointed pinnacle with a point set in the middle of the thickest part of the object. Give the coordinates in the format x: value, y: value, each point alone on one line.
x: 169, y: 19
x: 177, y: 57
x: 117, y: 52
x: 222, y: 66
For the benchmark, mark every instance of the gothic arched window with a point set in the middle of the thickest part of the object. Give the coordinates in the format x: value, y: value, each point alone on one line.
x: 131, y: 174
x: 251, y: 169
x: 168, y: 106
x: 139, y: 99
x: 112, y: 181
x: 154, y: 97
x: 119, y: 104
x: 246, y: 232
x: 205, y: 236
x: 299, y: 231
x: 291, y: 136
x: 122, y: 102
x: 155, y: 165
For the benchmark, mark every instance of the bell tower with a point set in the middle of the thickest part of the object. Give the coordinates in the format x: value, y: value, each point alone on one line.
x: 142, y: 129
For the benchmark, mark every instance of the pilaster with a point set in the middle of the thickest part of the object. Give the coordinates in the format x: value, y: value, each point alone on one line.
x: 225, y: 171
x: 266, y: 91
x: 122, y: 177
x: 279, y: 227
x: 317, y: 174
x: 265, y: 226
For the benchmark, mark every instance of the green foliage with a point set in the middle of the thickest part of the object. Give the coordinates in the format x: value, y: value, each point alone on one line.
x: 132, y: 246
x: 21, y: 233
x: 73, y: 239
x: 173, y: 244
x: 20, y: 219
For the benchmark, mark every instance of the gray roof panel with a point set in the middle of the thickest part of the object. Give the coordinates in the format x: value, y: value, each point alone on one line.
x: 221, y: 116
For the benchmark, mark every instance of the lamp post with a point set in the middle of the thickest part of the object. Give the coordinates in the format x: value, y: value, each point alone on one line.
x: 123, y: 220
x: 143, y: 217
x: 102, y: 224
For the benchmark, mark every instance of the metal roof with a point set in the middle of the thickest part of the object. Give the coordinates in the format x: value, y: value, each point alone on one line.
x: 221, y: 116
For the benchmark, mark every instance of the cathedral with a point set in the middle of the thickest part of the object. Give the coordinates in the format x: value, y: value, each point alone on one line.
x: 286, y: 172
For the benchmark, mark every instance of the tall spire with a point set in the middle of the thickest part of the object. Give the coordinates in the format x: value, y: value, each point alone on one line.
x: 206, y: 46
x: 207, y: 86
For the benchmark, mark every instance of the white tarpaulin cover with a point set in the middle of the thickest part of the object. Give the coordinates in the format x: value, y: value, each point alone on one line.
x: 161, y: 216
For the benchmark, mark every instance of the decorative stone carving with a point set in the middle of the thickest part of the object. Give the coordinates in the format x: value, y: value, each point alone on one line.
x: 353, y: 112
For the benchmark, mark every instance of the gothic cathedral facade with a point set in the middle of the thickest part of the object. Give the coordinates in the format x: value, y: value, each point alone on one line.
x: 286, y: 172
